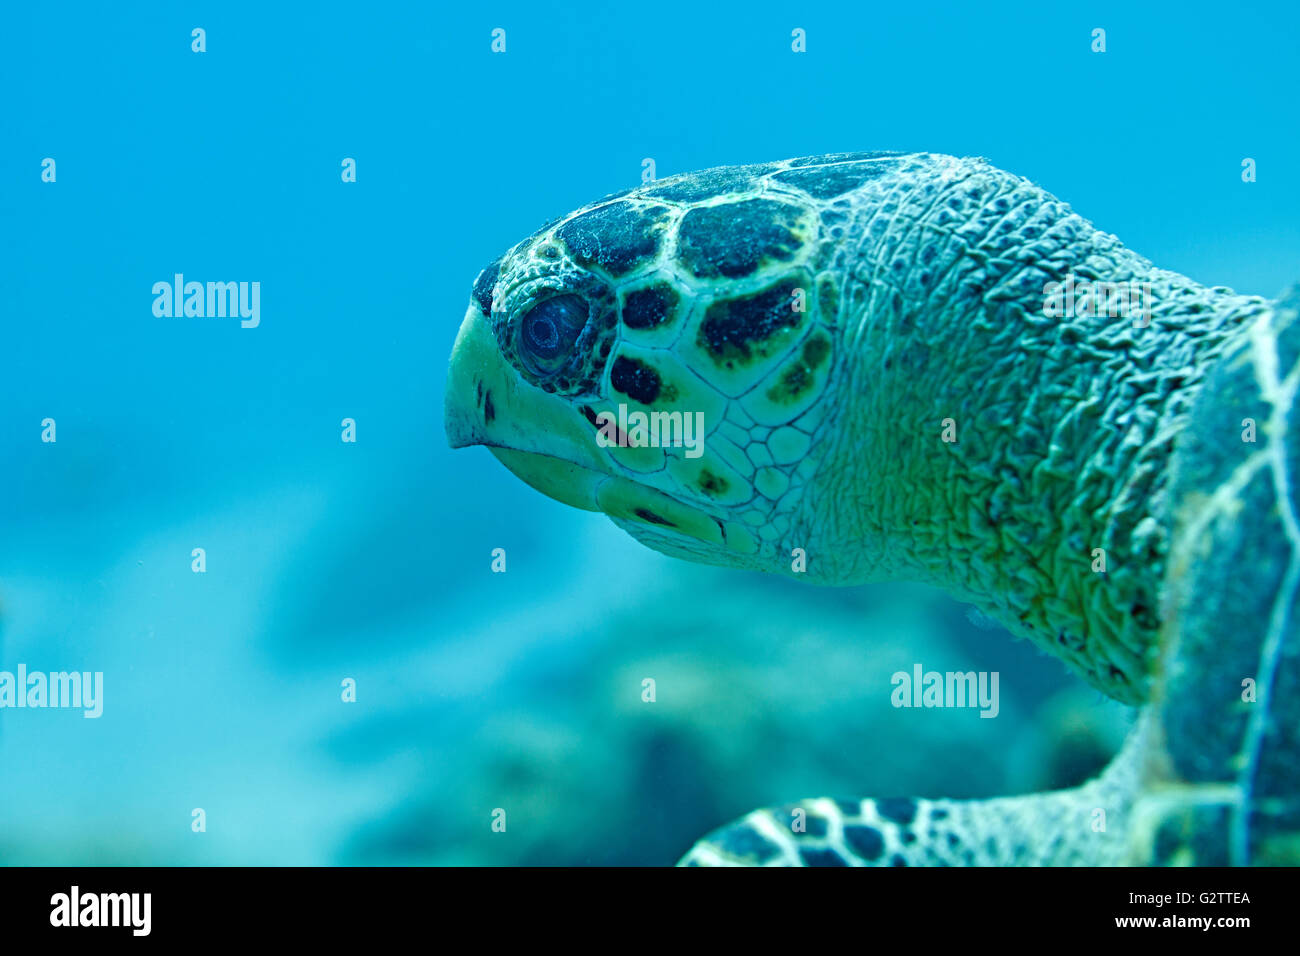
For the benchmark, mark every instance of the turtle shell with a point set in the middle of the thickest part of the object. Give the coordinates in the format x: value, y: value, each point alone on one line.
x: 1222, y: 783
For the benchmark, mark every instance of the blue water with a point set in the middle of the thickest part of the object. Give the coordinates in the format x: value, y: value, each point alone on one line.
x: 328, y: 560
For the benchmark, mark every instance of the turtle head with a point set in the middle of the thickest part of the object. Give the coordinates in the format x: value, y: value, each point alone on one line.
x: 614, y: 365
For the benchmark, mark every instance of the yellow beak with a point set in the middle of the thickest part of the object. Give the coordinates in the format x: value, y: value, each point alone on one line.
x: 546, y: 442
x: 549, y: 446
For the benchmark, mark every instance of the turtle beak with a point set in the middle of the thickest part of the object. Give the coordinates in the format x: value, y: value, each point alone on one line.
x: 539, y: 437
x: 548, y: 444
x: 471, y: 362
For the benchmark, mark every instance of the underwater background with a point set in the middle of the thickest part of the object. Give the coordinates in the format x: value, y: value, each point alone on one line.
x: 371, y: 560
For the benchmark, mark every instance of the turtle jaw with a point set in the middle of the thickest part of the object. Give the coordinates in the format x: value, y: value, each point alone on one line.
x: 565, y: 482
x: 478, y: 409
x: 548, y: 445
x: 484, y: 405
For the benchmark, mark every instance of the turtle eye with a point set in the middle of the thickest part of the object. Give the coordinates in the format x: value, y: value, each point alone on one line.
x: 548, y: 331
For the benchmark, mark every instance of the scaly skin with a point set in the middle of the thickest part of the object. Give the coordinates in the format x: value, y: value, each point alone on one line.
x: 1064, y: 427
x: 829, y: 451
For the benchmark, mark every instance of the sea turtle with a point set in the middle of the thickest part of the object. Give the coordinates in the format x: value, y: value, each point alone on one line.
x: 920, y: 366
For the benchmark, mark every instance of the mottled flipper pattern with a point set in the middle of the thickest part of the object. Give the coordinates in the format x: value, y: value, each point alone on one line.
x: 1084, y: 826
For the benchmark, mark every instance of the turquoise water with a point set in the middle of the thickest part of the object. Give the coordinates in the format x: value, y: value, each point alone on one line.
x: 370, y: 560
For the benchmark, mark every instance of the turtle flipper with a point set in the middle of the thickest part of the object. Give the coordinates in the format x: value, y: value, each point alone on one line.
x: 1054, y: 829
x: 1083, y: 826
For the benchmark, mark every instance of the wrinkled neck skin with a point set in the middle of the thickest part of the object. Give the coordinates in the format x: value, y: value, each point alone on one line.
x: 1060, y: 429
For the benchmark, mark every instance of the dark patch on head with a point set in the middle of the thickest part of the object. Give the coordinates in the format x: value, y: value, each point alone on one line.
x: 899, y: 809
x: 484, y: 284
x: 734, y: 239
x: 618, y: 237
x: 800, y: 375
x: 826, y: 182
x: 712, y: 484
x: 489, y: 410
x: 693, y: 187
x: 743, y: 842
x: 821, y: 857
x: 653, y: 518
x: 939, y: 813
x: 732, y: 327
x: 866, y: 842
x: 897, y: 860
x: 650, y: 307
x: 635, y: 379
